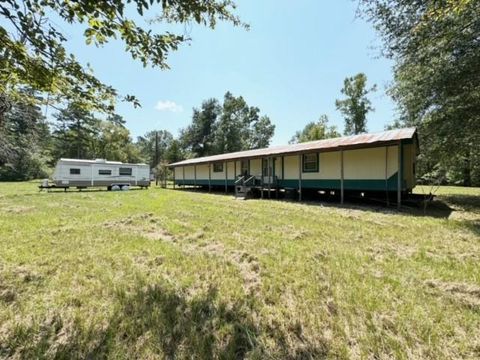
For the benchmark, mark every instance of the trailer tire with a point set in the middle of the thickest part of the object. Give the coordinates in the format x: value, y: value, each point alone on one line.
x: 109, y: 188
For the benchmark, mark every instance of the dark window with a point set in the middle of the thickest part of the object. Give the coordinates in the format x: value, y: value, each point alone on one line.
x: 74, y: 171
x: 125, y: 171
x: 104, y: 172
x: 218, y: 167
x: 310, y: 162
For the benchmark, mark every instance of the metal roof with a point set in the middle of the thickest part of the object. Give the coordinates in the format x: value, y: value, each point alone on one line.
x: 362, y: 140
x: 96, y: 161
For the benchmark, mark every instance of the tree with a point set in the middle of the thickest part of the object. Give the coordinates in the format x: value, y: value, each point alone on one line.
x: 147, y: 146
x: 174, y: 152
x: 315, y: 131
x: 75, y: 133
x: 232, y: 131
x: 356, y: 105
x: 436, y: 83
x: 24, y: 142
x: 240, y: 126
x: 198, y: 137
x: 113, y: 142
x: 32, y: 50
x: 262, y: 133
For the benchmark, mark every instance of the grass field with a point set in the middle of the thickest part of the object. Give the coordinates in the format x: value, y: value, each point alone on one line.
x: 179, y: 274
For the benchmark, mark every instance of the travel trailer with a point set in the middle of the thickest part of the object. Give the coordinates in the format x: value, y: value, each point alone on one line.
x: 113, y: 175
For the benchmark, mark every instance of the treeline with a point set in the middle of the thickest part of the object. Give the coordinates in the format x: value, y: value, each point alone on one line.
x: 436, y: 50
x: 30, y: 146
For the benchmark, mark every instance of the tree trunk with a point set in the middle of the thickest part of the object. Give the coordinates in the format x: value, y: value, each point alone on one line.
x: 467, y: 176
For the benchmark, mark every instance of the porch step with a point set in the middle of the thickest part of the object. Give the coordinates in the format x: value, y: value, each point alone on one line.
x: 242, y: 191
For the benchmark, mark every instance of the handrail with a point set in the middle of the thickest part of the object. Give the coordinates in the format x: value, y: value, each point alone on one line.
x: 239, y: 179
x: 249, y: 179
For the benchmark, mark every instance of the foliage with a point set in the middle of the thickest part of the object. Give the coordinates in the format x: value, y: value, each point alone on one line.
x: 180, y: 274
x: 79, y: 133
x: 113, y: 142
x: 261, y: 133
x: 315, y: 131
x: 232, y: 126
x: 152, y: 141
x: 24, y: 142
x: 199, y: 136
x: 174, y: 152
x: 240, y: 126
x: 74, y: 133
x: 356, y: 105
x: 33, y: 53
x: 437, y: 86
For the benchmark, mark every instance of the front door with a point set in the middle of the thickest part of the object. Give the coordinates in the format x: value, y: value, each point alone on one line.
x: 268, y: 170
x: 244, y: 168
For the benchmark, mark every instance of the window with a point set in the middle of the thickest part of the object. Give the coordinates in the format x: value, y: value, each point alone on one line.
x: 125, y: 171
x: 104, y: 172
x: 218, y: 167
x: 74, y: 171
x: 310, y: 162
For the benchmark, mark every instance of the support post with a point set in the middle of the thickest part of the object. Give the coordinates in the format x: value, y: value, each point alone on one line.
x: 261, y: 179
x: 342, y: 188
x: 234, y: 170
x: 174, y: 169
x: 183, y: 168
x: 283, y: 168
x: 270, y: 173
x: 386, y: 176
x: 225, y: 165
x: 195, y: 176
x: 300, y: 177
x: 399, y: 173
x: 209, y: 177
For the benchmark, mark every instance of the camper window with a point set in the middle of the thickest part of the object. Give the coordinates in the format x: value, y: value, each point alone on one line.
x: 310, y: 162
x: 218, y: 167
x: 104, y: 172
x: 74, y: 171
x: 125, y: 171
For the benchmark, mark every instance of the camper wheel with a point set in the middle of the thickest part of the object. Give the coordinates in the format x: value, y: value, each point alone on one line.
x: 109, y: 188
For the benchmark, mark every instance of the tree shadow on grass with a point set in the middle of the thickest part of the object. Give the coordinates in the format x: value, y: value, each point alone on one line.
x: 185, y: 328
x: 464, y: 202
x: 154, y: 321
x: 151, y: 321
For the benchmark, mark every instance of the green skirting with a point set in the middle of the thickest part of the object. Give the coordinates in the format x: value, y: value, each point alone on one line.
x: 334, y: 184
x: 202, y: 182
x: 357, y: 184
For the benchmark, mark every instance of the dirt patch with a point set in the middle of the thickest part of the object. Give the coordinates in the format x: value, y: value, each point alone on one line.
x: 467, y: 295
x: 146, y: 225
x: 18, y: 209
x: 292, y: 233
x: 7, y: 295
x: 249, y: 270
x: 397, y: 251
x: 246, y: 263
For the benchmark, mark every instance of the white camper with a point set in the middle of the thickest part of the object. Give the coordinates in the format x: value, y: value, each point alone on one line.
x: 94, y: 173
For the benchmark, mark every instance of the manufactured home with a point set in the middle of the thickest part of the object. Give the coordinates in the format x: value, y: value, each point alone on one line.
x: 366, y: 163
x: 99, y: 172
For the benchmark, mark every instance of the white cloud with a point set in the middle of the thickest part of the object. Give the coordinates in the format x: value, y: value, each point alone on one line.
x: 167, y: 105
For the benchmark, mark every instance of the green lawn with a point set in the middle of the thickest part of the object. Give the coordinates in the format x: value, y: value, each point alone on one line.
x: 180, y: 274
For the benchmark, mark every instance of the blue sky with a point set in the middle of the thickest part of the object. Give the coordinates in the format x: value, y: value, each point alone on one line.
x: 291, y: 64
